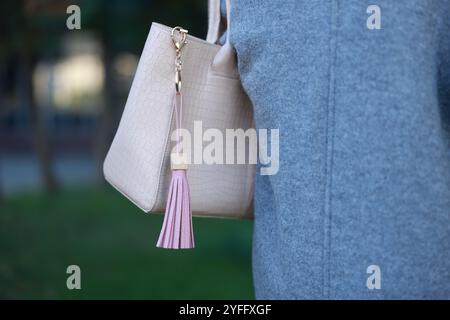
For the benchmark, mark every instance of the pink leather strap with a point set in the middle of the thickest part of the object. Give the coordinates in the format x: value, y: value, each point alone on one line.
x: 178, y: 110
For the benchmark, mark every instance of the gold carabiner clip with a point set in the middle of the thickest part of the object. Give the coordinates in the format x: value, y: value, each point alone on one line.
x: 179, y: 43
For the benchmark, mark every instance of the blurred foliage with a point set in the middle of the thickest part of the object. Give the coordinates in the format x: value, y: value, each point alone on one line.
x: 113, y: 242
x: 36, y: 27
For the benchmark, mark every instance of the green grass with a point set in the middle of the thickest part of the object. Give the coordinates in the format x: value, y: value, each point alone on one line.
x: 113, y: 243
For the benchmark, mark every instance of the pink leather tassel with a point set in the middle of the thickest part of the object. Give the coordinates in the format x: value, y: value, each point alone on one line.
x: 177, y: 231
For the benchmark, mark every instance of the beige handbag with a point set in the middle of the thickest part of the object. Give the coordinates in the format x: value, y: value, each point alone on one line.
x: 138, y: 162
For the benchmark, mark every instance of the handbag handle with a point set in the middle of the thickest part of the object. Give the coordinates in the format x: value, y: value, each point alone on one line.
x: 215, y: 19
x: 224, y: 63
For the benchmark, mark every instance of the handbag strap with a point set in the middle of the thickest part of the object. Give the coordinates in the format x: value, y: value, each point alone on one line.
x: 225, y: 60
x: 215, y: 19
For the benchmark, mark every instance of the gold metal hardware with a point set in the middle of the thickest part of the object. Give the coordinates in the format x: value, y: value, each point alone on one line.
x: 178, y: 81
x: 178, y: 41
x: 178, y: 161
x: 181, y: 42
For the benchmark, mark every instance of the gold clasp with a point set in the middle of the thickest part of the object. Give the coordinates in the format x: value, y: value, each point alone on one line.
x: 178, y: 80
x: 179, y: 43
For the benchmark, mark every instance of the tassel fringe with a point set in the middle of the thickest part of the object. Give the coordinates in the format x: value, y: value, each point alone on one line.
x: 177, y: 231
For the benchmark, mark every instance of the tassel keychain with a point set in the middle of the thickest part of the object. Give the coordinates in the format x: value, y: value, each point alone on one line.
x: 177, y: 231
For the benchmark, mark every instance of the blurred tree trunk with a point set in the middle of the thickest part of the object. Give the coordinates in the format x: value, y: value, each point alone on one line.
x: 1, y: 185
x: 3, y: 80
x: 106, y: 116
x: 40, y: 139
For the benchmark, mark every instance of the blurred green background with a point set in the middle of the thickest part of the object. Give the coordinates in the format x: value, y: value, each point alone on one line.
x: 61, y: 96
